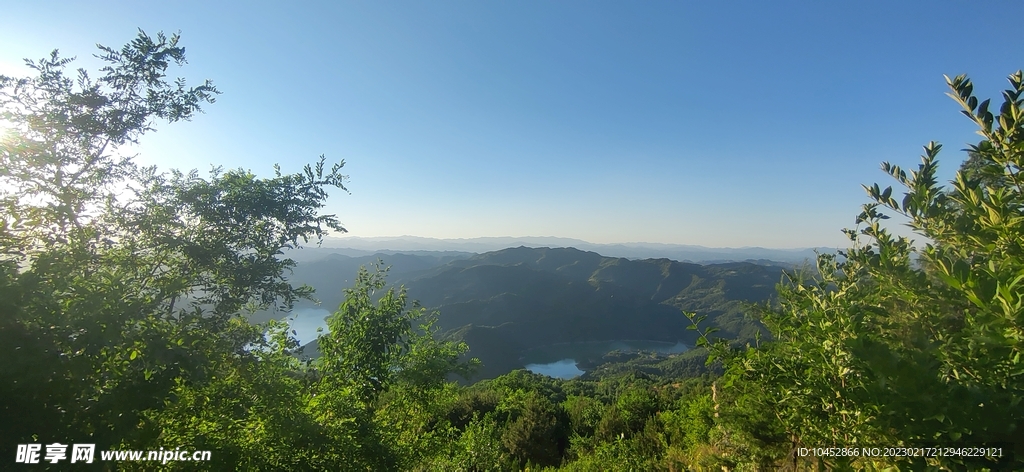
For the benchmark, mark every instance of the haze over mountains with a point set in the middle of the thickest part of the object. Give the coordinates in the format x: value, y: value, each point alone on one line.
x: 360, y: 246
x: 508, y: 302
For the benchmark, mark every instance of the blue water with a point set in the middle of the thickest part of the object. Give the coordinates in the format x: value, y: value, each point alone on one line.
x: 559, y: 360
x: 563, y: 369
x: 305, y: 321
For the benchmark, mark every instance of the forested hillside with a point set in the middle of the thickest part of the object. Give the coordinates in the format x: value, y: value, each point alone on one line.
x: 507, y: 302
x: 125, y: 295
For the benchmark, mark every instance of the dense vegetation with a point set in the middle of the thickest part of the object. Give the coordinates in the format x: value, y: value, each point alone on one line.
x: 123, y: 292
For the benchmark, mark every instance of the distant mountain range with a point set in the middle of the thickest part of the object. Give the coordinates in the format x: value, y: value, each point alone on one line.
x: 360, y: 246
x: 507, y: 302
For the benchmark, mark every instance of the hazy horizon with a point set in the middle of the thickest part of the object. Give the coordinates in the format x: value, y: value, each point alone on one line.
x: 718, y: 124
x: 340, y: 238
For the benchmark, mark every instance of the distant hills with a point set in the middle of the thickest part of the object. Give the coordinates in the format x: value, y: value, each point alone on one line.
x: 360, y: 246
x: 504, y: 303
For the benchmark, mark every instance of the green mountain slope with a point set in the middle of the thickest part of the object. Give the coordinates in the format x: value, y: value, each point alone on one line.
x: 330, y: 273
x: 504, y: 303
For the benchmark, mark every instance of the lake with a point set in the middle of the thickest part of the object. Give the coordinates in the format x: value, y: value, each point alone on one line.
x: 563, y: 369
x: 560, y: 360
x: 556, y: 360
x: 305, y: 321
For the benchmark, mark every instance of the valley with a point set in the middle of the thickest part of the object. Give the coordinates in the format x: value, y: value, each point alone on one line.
x: 543, y: 307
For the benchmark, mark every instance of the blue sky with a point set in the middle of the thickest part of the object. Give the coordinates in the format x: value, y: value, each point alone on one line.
x: 710, y: 123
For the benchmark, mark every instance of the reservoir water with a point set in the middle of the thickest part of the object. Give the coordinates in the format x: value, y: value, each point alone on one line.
x: 562, y: 369
x: 305, y: 321
x: 560, y: 360
x: 556, y: 360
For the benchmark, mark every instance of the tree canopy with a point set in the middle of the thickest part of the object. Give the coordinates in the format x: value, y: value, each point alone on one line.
x: 897, y: 344
x: 123, y: 289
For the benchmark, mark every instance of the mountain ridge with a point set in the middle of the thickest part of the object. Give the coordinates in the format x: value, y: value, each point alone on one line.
x: 632, y: 250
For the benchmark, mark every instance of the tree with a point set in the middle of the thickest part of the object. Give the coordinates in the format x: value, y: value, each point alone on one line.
x: 375, y: 340
x: 895, y: 345
x: 119, y: 282
x: 537, y: 430
x: 382, y: 354
x: 123, y: 292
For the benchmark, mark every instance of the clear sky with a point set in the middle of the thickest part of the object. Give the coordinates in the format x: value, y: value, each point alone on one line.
x: 711, y: 123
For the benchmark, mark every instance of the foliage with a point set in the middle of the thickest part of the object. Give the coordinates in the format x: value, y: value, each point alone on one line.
x: 87, y: 349
x: 478, y: 448
x: 690, y: 424
x: 536, y: 429
x: 584, y: 414
x: 122, y: 290
x: 899, y: 345
x: 637, y: 404
x: 618, y: 454
x: 60, y: 160
x: 366, y: 339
